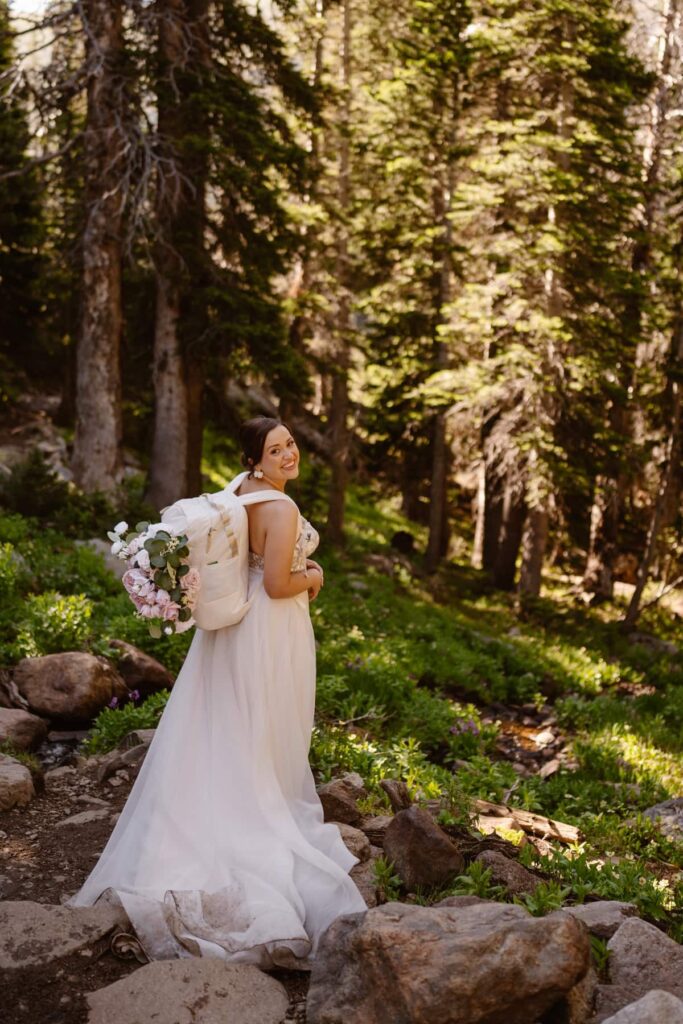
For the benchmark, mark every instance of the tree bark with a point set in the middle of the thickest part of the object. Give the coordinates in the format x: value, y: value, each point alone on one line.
x: 669, y: 477
x: 510, y: 538
x: 534, y: 543
x: 175, y: 468
x: 339, y: 408
x: 97, y: 456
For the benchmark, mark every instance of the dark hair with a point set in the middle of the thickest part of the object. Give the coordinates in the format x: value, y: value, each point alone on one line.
x: 253, y: 434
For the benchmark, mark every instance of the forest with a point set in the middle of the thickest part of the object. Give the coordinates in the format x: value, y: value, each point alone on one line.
x: 441, y: 240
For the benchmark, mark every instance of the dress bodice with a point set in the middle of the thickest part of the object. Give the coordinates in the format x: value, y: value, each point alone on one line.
x: 306, y: 542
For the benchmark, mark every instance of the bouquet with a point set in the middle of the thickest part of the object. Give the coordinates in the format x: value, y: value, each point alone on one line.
x: 160, y: 583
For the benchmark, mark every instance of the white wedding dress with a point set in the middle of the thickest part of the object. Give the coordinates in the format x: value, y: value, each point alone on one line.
x: 221, y: 849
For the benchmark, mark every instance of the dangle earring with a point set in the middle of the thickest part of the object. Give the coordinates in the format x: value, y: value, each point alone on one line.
x: 258, y: 473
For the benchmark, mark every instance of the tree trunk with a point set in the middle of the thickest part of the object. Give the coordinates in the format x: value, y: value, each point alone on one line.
x: 175, y: 468
x: 533, y: 551
x: 97, y: 456
x: 670, y: 475
x: 339, y: 429
x: 513, y: 512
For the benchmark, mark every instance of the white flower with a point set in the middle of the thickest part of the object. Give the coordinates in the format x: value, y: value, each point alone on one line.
x: 155, y: 528
x: 135, y: 544
x: 121, y: 527
x: 116, y: 547
x: 142, y: 559
x: 168, y: 630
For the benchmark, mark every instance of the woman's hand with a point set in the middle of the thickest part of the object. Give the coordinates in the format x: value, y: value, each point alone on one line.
x: 311, y: 564
x: 316, y: 577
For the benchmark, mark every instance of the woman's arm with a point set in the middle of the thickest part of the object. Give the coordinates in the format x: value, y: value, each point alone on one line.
x: 281, y: 521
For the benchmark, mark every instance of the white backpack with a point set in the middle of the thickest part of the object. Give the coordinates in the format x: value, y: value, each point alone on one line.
x: 217, y: 531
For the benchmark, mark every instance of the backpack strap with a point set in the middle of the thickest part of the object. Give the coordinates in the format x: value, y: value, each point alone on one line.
x: 257, y: 496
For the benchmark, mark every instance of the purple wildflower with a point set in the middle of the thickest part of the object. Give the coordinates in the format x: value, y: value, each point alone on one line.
x: 135, y: 695
x: 113, y: 702
x: 469, y: 725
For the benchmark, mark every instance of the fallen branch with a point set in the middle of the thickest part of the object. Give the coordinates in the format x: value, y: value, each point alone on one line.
x: 525, y: 821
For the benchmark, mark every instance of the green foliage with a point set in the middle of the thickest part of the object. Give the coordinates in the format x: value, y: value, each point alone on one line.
x: 54, y: 623
x: 30, y: 761
x: 112, y: 724
x: 600, y: 954
x: 475, y: 881
x: 387, y: 882
x: 548, y: 896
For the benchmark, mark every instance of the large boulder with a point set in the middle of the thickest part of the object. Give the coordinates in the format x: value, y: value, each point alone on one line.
x: 16, y: 783
x: 641, y: 958
x: 190, y: 991
x: 656, y: 1007
x: 70, y: 687
x: 422, y: 854
x: 141, y: 671
x: 21, y: 728
x: 35, y: 933
x: 485, y: 964
x: 363, y: 875
x: 355, y: 841
x: 340, y: 798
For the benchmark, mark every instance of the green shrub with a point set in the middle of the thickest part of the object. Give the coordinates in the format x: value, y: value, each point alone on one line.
x: 54, y: 623
x: 112, y: 724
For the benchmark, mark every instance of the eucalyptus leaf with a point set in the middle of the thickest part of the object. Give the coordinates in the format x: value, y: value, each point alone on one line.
x: 182, y: 570
x: 155, y: 630
x: 141, y: 527
x: 158, y: 561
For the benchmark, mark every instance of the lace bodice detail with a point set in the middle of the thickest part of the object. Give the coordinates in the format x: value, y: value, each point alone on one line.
x: 306, y: 543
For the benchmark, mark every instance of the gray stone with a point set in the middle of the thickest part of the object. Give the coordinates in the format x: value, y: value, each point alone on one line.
x: 668, y: 816
x: 24, y: 730
x: 122, y: 761
x: 490, y: 963
x: 657, y: 1007
x: 16, y: 783
x: 422, y: 854
x: 354, y: 840
x: 514, y: 878
x: 190, y: 991
x: 603, y: 917
x: 36, y: 933
x: 641, y: 958
x: 84, y: 817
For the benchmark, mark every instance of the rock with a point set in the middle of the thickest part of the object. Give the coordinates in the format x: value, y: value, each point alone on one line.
x: 24, y: 730
x: 375, y: 828
x: 354, y: 840
x: 119, y: 761
x: 70, y: 687
x: 422, y: 854
x: 577, y: 1006
x: 656, y: 1007
x: 490, y: 963
x: 188, y: 990
x: 641, y: 958
x: 84, y: 817
x: 9, y: 694
x: 65, y: 771
x: 16, y: 783
x: 135, y: 738
x: 461, y: 901
x: 363, y: 875
x: 603, y: 917
x: 339, y: 798
x: 668, y: 816
x: 141, y: 671
x: 35, y: 933
x: 397, y: 791
x: 515, y: 879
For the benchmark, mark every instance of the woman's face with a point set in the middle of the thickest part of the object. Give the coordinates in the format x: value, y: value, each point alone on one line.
x: 280, y: 459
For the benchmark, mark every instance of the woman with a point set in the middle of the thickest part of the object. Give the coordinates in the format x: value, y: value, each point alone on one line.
x: 221, y: 849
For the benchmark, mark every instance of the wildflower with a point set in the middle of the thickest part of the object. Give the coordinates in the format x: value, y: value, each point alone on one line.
x: 135, y: 695
x: 113, y: 702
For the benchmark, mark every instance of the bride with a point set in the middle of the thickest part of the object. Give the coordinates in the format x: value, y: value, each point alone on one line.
x: 221, y: 849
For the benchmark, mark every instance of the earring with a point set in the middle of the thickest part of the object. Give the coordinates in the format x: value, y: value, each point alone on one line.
x: 258, y: 473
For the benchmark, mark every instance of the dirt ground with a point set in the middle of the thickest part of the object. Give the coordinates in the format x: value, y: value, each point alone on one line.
x: 45, y: 862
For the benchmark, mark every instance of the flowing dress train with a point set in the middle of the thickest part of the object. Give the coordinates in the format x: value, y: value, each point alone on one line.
x: 221, y: 849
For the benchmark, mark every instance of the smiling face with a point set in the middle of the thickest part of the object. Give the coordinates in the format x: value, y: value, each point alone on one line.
x: 280, y: 458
